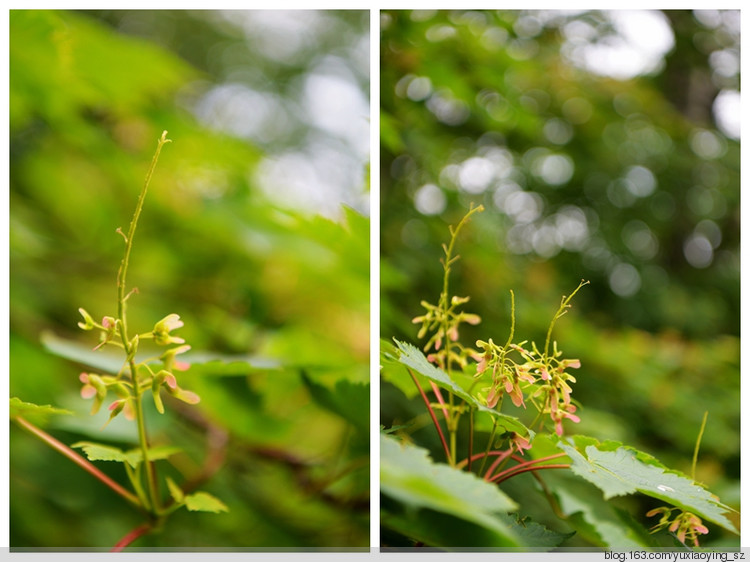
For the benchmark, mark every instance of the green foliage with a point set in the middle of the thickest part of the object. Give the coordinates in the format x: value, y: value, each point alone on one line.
x: 617, y: 470
x: 414, y: 359
x: 201, y: 501
x: 408, y: 475
x: 263, y: 292
x: 539, y: 378
x: 33, y: 411
x: 582, y: 174
x: 100, y: 452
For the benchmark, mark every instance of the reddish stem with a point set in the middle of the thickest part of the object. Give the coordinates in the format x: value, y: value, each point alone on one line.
x: 139, y: 531
x: 439, y: 396
x: 497, y: 478
x: 471, y: 439
x: 79, y: 460
x: 524, y: 466
x: 479, y: 456
x: 501, y: 457
x: 432, y: 415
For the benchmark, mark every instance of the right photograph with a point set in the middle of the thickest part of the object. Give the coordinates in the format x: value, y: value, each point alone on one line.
x: 560, y: 280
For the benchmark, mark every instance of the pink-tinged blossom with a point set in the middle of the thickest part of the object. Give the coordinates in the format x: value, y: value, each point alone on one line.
x: 558, y: 414
x: 164, y: 326
x: 520, y: 443
x: 492, y: 398
x: 87, y: 390
x: 168, y: 357
x: 571, y: 364
x: 170, y: 380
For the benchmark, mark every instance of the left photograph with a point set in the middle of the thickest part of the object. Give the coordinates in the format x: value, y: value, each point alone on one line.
x: 189, y: 280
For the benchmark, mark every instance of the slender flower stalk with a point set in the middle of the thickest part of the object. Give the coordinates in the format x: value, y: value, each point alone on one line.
x: 131, y: 345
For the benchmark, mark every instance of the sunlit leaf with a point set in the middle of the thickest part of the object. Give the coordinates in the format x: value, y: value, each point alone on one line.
x: 618, y: 470
x: 408, y: 475
x: 175, y: 491
x: 202, y: 501
x: 26, y: 409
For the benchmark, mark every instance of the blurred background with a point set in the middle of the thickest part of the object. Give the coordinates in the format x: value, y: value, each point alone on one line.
x: 604, y: 146
x: 254, y: 231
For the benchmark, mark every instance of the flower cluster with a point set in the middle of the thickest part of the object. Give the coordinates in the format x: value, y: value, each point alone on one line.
x: 507, y: 376
x: 541, y: 378
x: 443, y: 322
x: 686, y: 526
x: 98, y: 386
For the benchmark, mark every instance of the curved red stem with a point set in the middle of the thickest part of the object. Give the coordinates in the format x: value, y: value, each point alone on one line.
x: 78, y: 459
x: 497, y: 478
x: 139, y: 531
x: 432, y: 415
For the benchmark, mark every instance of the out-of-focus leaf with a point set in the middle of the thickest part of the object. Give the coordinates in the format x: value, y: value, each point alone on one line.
x: 19, y: 408
x: 408, y: 475
x: 103, y: 360
x: 202, y: 501
x: 175, y: 491
x: 349, y: 400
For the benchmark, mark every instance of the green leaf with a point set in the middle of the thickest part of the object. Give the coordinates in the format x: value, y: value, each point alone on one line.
x: 535, y: 535
x: 175, y: 491
x: 19, y: 408
x: 595, y: 519
x: 349, y: 400
x: 413, y: 358
x: 102, y: 360
x: 408, y: 475
x: 100, y: 452
x: 619, y: 470
x: 202, y: 501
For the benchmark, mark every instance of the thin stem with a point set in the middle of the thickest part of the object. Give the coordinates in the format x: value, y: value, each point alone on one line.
x: 523, y: 465
x: 439, y: 396
x: 564, y: 306
x: 512, y: 320
x: 501, y: 458
x: 471, y: 438
x: 444, y: 304
x: 497, y: 478
x: 122, y: 319
x: 478, y: 456
x: 489, y: 445
x: 131, y: 233
x: 432, y: 415
x: 134, y: 534
x: 698, y: 442
x: 79, y: 460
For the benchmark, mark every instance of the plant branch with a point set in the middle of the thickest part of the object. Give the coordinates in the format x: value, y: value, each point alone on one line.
x: 564, y: 306
x: 698, y: 442
x: 478, y: 456
x: 134, y: 534
x: 513, y: 472
x: 79, y: 460
x: 432, y: 415
x: 503, y: 456
x: 524, y: 465
x: 122, y: 319
x: 439, y: 396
